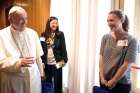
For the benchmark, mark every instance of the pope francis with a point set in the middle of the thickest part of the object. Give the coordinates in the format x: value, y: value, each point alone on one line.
x: 20, y: 51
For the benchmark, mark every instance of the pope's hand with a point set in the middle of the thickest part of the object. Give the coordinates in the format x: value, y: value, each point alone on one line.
x: 26, y: 61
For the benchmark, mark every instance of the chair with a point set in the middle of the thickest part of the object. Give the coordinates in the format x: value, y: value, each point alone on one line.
x: 97, y: 89
x: 47, y: 87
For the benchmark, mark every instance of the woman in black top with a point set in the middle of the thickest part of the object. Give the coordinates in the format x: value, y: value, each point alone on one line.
x: 55, y: 53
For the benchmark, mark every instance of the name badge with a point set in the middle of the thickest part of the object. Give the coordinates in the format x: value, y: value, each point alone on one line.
x: 42, y: 39
x: 122, y: 43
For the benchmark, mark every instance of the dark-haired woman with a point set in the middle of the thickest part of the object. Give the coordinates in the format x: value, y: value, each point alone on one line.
x: 55, y: 54
x: 117, y: 52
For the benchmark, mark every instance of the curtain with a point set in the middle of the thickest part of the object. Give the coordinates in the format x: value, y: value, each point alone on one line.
x: 136, y: 73
x: 83, y: 23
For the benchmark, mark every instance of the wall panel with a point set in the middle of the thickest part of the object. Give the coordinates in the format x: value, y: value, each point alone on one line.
x: 38, y: 12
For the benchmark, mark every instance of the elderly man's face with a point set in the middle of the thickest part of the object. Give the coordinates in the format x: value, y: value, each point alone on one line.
x: 19, y: 20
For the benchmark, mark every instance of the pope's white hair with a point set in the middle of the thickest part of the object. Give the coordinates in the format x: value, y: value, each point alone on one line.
x: 15, y: 9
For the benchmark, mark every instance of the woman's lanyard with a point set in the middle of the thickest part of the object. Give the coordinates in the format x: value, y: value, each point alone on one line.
x: 50, y: 40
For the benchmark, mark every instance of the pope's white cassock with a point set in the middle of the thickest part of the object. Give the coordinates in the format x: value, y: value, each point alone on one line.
x: 13, y: 45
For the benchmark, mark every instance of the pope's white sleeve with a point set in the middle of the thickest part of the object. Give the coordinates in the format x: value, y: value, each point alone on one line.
x: 8, y: 64
x: 39, y: 53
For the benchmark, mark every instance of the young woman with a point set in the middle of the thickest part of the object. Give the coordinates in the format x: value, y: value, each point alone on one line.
x: 55, y: 54
x: 118, y: 51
